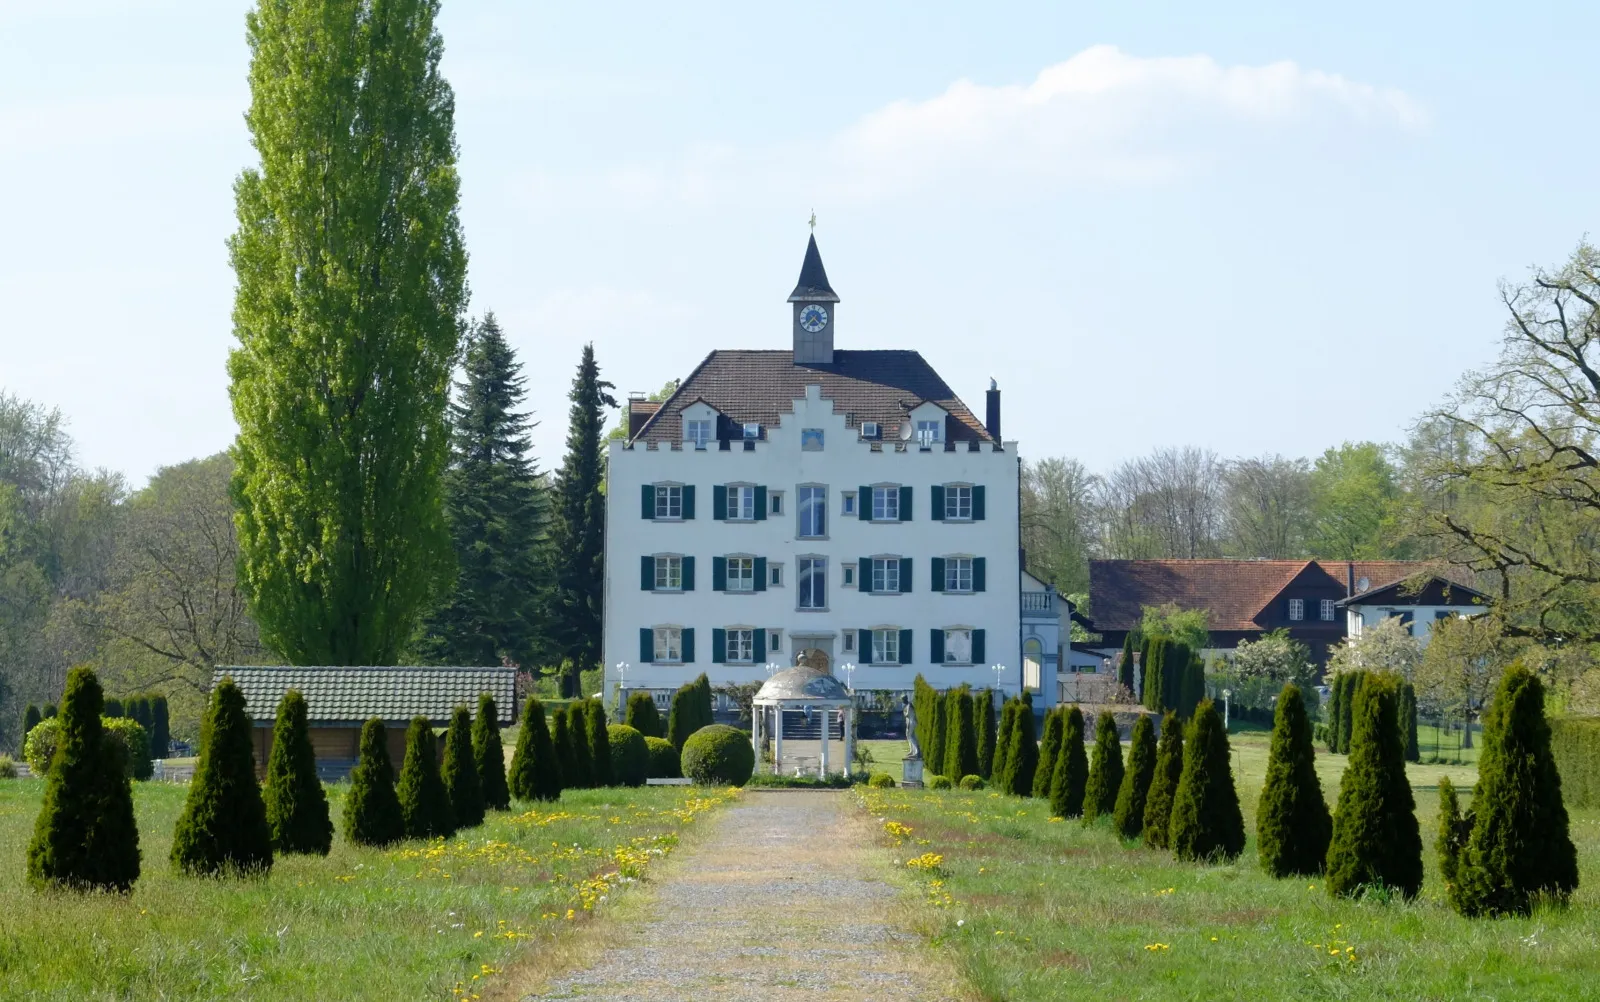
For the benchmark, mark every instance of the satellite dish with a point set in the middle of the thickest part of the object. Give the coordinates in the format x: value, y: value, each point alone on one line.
x: 905, y: 431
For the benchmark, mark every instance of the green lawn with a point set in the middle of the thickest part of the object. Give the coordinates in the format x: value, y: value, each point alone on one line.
x: 418, y: 921
x: 1041, y: 909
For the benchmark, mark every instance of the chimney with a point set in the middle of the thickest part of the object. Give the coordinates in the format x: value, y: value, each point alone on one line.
x: 1349, y: 579
x: 992, y: 418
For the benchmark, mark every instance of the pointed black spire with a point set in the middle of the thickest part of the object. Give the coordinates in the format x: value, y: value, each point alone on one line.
x: 813, y: 286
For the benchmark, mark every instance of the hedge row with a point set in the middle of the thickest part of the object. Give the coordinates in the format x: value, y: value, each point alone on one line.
x: 1576, y: 744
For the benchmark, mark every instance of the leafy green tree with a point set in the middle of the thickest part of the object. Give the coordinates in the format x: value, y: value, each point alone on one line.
x: 1105, y: 771
x: 1164, y: 783
x: 643, y: 716
x: 1354, y: 497
x: 424, y: 801
x: 460, y: 771
x: 135, y: 745
x: 297, y: 807
x: 1128, y: 814
x: 495, y: 507
x: 372, y: 807
x: 1376, y: 841
x: 1292, y: 823
x: 1520, y: 851
x: 961, y: 746
x: 85, y: 837
x: 489, y: 755
x: 1206, y: 821
x: 577, y: 530
x: 1055, y: 723
x: 1070, y: 774
x: 223, y: 828
x: 535, y: 766
x: 984, y: 723
x: 1189, y: 627
x: 351, y: 279
x: 600, y: 740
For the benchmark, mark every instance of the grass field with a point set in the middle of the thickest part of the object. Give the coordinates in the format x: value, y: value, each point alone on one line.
x: 1041, y: 909
x: 421, y: 921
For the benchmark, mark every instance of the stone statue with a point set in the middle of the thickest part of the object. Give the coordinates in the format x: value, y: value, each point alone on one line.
x: 911, y: 727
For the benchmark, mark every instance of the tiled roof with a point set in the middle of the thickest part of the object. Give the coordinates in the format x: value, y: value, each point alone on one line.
x: 881, y: 386
x: 1235, y: 592
x: 351, y: 695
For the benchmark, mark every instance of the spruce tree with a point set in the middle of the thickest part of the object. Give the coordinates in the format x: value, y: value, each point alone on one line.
x: 961, y: 747
x: 1070, y: 776
x: 160, y: 727
x: 84, y: 837
x: 460, y: 771
x: 1105, y: 771
x: 938, y: 726
x: 489, y: 755
x: 1128, y: 814
x: 223, y: 828
x: 1000, y: 768
x: 494, y: 506
x: 1376, y: 840
x: 1022, y: 752
x: 600, y: 741
x: 577, y: 528
x: 643, y: 716
x: 371, y: 806
x: 350, y: 284
x: 1292, y: 823
x: 1521, y: 850
x: 1055, y: 722
x: 424, y: 802
x: 983, y: 716
x: 1164, y: 783
x: 1454, y: 833
x: 535, y: 765
x: 1408, y: 721
x: 1206, y: 821
x: 297, y: 807
x: 1125, y: 666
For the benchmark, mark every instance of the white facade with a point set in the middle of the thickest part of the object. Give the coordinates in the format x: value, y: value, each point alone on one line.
x: 683, y: 544
x: 1420, y: 618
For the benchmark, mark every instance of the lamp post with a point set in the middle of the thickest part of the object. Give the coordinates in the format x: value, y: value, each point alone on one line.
x: 1225, y: 694
x: 622, y: 686
x: 998, y: 670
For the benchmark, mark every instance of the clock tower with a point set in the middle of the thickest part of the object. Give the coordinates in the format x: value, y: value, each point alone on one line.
x: 815, y: 303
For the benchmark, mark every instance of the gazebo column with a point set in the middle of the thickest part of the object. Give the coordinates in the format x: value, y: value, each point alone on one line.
x: 777, y: 740
x: 827, y: 735
x: 755, y: 732
x: 849, y: 737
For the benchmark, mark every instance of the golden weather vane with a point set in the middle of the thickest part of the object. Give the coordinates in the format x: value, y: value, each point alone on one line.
x: 813, y: 220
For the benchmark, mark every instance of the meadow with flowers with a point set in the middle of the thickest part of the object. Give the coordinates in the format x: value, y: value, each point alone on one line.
x: 440, y: 919
x: 1035, y: 907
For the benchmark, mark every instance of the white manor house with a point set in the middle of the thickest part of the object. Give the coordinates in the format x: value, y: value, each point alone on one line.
x: 816, y: 499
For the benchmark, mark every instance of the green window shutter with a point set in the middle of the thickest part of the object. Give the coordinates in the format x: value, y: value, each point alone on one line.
x: 647, y: 645
x: 761, y: 504
x: 688, y: 574
x: 688, y: 646
x: 905, y: 647
x: 761, y: 574
x: 647, y: 573
x: 719, y: 573
x: 864, y: 647
x: 719, y: 646
x: 936, y: 646
x: 937, y: 511
x: 905, y: 575
x: 688, y: 501
x: 938, y: 573
x: 977, y: 503
x: 864, y: 504
x: 978, y: 654
x: 906, y: 494
x: 864, y: 575
x: 980, y: 573
x: 719, y: 502
x: 758, y: 647
x: 648, y: 496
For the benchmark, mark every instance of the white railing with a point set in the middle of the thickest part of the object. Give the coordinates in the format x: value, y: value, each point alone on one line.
x: 1037, y: 601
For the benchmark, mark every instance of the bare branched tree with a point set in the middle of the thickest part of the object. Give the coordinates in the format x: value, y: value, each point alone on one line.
x: 1166, y: 504
x: 1266, y: 506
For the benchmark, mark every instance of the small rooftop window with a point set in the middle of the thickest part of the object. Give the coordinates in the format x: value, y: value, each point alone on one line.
x: 869, y: 429
x: 752, y: 429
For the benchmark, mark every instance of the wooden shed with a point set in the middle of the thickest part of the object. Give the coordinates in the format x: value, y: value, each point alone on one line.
x: 340, y: 700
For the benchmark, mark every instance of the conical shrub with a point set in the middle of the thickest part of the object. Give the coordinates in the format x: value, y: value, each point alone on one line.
x: 460, y: 771
x: 1408, y: 721
x: 1125, y: 665
x: 160, y: 727
x: 600, y: 740
x: 1105, y: 770
x: 1055, y: 722
x: 30, y: 719
x: 113, y: 708
x: 424, y: 802
x: 1071, y: 772
x: 1454, y: 833
x: 1022, y: 755
x: 961, y: 746
x: 1154, y: 675
x: 983, y: 717
x: 1128, y: 814
x: 1351, y: 680
x: 1521, y: 849
x: 1000, y: 768
x: 938, y: 731
x: 371, y: 806
x: 561, y: 739
x: 1376, y: 840
x: 683, y: 717
x: 297, y: 807
x: 535, y: 766
x: 1164, y: 783
x: 642, y: 715
x: 1292, y: 822
x: 1206, y: 821
x: 578, y: 745
x: 223, y: 828
x: 1335, y: 712
x: 489, y: 755
x: 85, y: 837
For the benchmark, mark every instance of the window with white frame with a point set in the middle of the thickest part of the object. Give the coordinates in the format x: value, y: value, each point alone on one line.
x: 927, y: 433
x: 811, y: 573
x: 741, y: 645
x: 847, y: 503
x: 849, y: 641
x: 813, y: 512
x: 752, y: 429
x: 885, y: 574
x: 848, y: 572
x: 669, y: 644
x: 1327, y: 610
x: 958, y: 574
x: 775, y: 502
x: 742, y: 503
x: 958, y: 503
x: 886, y: 504
x: 669, y: 501
x: 885, y: 647
x: 774, y: 573
x: 741, y: 574
x: 1297, y: 609
x: 669, y: 574
x: 774, y: 642
x: 958, y: 647
x: 698, y: 431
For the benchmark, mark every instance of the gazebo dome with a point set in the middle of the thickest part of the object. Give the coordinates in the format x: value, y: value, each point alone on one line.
x: 803, y: 685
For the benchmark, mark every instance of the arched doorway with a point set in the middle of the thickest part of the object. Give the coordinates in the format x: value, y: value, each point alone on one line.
x: 1032, y: 656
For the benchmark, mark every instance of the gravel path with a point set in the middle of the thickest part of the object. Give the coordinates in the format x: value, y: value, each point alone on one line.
x: 779, y: 901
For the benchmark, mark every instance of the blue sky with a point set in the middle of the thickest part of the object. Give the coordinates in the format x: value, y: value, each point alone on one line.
x: 1256, y: 227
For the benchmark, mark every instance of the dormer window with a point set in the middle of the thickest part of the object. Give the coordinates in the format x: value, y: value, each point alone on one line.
x: 869, y: 429
x: 927, y: 434
x: 697, y: 431
x: 752, y: 430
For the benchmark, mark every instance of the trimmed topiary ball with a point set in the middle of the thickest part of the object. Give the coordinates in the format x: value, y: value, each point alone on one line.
x: 972, y: 782
x: 40, y: 747
x: 939, y: 783
x: 881, y: 781
x: 630, y: 756
x: 664, y: 762
x: 719, y: 755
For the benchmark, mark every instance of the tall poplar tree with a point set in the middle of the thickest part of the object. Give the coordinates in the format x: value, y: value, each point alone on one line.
x: 351, y: 280
x: 577, y: 529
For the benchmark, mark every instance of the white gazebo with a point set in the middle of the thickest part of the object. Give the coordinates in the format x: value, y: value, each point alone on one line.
x: 799, y: 689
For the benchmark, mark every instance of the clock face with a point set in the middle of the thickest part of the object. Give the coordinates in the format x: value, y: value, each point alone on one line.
x: 813, y: 318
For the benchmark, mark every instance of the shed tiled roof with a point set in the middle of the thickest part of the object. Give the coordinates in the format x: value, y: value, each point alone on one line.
x: 336, y: 695
x: 881, y: 386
